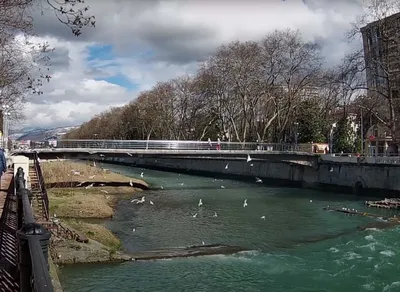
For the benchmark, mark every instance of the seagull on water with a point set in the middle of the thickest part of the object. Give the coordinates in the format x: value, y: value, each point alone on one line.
x: 133, y: 229
x: 248, y: 158
x: 162, y: 187
x: 203, y: 242
x: 200, y: 203
x: 263, y: 217
x: 258, y: 180
x: 245, y: 203
x: 310, y: 201
x: 222, y: 187
x: 141, y: 174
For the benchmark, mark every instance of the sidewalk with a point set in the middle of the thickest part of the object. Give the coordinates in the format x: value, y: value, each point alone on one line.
x: 5, y: 184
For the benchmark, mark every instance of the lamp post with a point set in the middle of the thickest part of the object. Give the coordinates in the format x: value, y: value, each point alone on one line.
x: 331, y: 138
x: 6, y: 114
x: 296, y: 129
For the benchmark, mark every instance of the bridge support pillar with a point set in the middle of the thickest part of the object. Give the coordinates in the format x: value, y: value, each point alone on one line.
x: 26, y: 233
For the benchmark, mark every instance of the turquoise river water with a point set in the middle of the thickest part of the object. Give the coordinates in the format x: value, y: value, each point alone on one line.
x: 286, y: 253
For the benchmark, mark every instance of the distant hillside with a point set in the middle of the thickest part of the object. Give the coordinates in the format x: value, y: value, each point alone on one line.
x: 39, y: 134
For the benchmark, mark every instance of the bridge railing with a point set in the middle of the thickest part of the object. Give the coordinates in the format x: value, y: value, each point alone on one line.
x: 33, y: 243
x: 172, y: 145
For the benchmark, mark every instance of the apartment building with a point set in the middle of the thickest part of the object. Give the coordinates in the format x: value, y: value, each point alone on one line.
x: 381, y: 40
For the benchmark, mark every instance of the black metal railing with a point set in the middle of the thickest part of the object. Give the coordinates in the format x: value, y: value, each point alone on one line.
x: 33, y: 243
x: 42, y: 187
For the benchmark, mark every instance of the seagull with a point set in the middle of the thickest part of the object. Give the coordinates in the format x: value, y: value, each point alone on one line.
x: 215, y: 215
x: 195, y: 215
x: 89, y: 186
x: 76, y: 172
x: 128, y: 153
x: 258, y: 180
x: 94, y: 163
x: 203, y: 242
x: 90, y: 152
x: 78, y: 185
x: 131, y: 183
x: 133, y: 229
x: 248, y: 158
x: 222, y: 187
x: 251, y: 164
x: 141, y: 175
x: 245, y: 203
x: 226, y: 166
x: 101, y: 155
x: 92, y: 176
x: 104, y: 191
x: 310, y: 201
x: 263, y: 217
x: 102, y: 185
x: 162, y: 187
x: 200, y: 203
x: 151, y: 203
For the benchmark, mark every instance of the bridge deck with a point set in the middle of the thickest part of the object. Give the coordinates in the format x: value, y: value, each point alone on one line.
x: 8, y: 240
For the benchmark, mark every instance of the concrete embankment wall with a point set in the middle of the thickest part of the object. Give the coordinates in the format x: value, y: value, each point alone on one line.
x: 377, y: 180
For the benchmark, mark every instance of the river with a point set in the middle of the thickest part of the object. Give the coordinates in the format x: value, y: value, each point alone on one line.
x: 285, y: 251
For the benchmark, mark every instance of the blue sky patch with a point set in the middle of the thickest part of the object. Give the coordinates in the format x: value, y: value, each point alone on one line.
x: 120, y: 80
x: 100, y: 52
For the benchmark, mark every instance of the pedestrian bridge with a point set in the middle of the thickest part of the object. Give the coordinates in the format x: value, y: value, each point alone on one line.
x: 120, y: 149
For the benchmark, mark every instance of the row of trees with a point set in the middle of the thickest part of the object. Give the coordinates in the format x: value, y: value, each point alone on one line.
x: 246, y: 91
x: 24, y: 65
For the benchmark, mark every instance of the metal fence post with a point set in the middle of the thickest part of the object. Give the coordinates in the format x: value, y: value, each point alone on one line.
x: 25, y: 262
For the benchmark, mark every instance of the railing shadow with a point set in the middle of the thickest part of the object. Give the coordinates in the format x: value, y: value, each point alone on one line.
x: 33, y: 242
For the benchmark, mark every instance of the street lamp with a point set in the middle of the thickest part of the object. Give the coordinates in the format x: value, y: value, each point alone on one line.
x: 331, y: 138
x: 296, y: 134
x: 6, y: 114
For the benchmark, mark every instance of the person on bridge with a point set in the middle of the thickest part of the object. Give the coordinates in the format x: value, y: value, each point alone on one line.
x: 3, y: 162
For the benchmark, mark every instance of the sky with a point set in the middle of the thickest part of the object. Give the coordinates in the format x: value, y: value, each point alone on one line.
x: 137, y: 43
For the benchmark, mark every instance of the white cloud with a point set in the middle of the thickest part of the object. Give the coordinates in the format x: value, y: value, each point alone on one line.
x: 177, y: 33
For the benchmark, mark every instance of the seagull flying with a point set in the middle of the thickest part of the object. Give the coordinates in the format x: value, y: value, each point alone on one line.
x: 131, y: 183
x: 128, y: 153
x: 89, y: 186
x: 141, y: 175
x: 195, y: 215
x: 151, y: 203
x: 245, y: 203
x: 258, y: 180
x: 226, y: 166
x: 78, y: 185
x: 248, y: 158
x: 215, y: 215
x: 200, y: 203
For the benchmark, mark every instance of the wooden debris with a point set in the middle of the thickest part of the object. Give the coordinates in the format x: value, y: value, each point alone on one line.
x: 393, y: 203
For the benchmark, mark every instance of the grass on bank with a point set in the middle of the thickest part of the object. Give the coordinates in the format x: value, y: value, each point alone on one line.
x: 96, y: 232
x: 90, y: 203
x: 69, y: 171
x: 79, y: 202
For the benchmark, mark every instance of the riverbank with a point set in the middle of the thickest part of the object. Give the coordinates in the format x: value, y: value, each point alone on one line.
x: 77, y: 207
